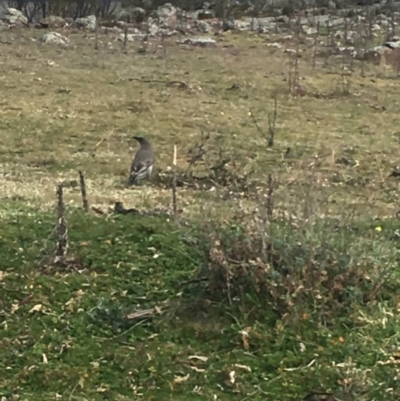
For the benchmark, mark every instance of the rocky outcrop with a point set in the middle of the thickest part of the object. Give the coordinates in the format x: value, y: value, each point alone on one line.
x: 12, y: 16
x: 88, y: 23
x: 54, y: 38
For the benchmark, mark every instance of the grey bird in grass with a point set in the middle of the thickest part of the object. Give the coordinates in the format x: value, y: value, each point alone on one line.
x: 142, y: 164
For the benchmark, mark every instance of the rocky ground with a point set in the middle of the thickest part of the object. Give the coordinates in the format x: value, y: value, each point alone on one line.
x: 349, y: 31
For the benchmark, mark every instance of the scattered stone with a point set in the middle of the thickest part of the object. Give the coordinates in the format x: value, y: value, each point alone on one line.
x: 392, y: 44
x: 283, y: 18
x: 201, y: 41
x: 277, y: 45
x: 153, y: 30
x: 202, y: 26
x: 242, y: 25
x: 228, y: 25
x: 54, y: 38
x: 348, y: 50
x: 167, y: 16
x: 131, y: 37
x: 263, y: 29
x: 309, y: 31
x: 205, y: 14
x: 13, y: 16
x: 88, y: 22
x: 290, y: 51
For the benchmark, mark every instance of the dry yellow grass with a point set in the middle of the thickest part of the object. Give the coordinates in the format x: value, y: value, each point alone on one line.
x: 68, y: 108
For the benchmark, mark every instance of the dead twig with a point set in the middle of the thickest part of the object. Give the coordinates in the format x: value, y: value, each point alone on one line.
x: 174, y: 206
x: 83, y: 191
x: 272, y: 123
x: 180, y: 84
x: 197, y: 152
x: 145, y: 313
x: 125, y: 37
x: 62, y: 229
x: 270, y: 137
x: 96, y: 32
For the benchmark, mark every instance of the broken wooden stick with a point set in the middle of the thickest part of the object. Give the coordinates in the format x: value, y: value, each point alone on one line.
x: 174, y: 181
x: 62, y: 229
x: 83, y: 191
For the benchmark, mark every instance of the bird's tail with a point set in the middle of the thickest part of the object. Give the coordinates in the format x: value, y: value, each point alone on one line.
x: 132, y: 179
x: 137, y: 175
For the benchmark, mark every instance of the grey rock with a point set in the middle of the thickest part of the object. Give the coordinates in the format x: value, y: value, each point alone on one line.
x: 275, y: 44
x: 242, y: 25
x: 202, y: 41
x: 88, y: 22
x: 167, y: 16
x: 332, y: 5
x: 153, y: 29
x: 283, y: 18
x: 131, y: 37
x: 54, y: 38
x: 392, y: 45
x: 309, y: 30
x: 13, y: 16
x: 202, y: 26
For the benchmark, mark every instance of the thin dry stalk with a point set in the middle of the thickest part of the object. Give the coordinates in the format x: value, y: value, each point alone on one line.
x: 197, y: 152
x: 164, y: 50
x: 174, y: 205
x: 267, y: 215
x: 96, y: 33
x: 125, y: 42
x: 294, y: 73
x: 392, y: 20
x: 314, y: 55
x: 62, y: 229
x: 272, y: 123
x: 328, y: 33
x: 83, y: 191
x: 270, y: 197
x: 370, y: 19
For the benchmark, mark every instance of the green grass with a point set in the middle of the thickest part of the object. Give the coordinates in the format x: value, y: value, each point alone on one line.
x: 66, y: 334
x: 305, y: 302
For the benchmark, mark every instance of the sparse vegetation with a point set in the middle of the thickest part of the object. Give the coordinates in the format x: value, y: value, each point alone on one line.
x: 277, y: 275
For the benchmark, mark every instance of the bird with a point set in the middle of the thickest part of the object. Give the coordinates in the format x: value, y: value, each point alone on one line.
x: 143, y: 161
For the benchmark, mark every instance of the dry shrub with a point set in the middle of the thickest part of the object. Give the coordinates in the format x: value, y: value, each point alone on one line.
x: 320, y: 268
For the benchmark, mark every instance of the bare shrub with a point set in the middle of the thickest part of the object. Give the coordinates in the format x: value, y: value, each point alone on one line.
x: 295, y: 268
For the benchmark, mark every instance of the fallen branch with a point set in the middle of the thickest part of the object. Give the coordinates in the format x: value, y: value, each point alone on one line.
x: 158, y: 212
x: 193, y: 281
x: 180, y: 84
x: 145, y: 313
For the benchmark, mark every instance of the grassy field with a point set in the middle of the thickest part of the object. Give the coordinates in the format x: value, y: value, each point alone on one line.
x: 311, y: 304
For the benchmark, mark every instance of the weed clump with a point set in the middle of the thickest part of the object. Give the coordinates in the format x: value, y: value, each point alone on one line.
x: 323, y: 269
